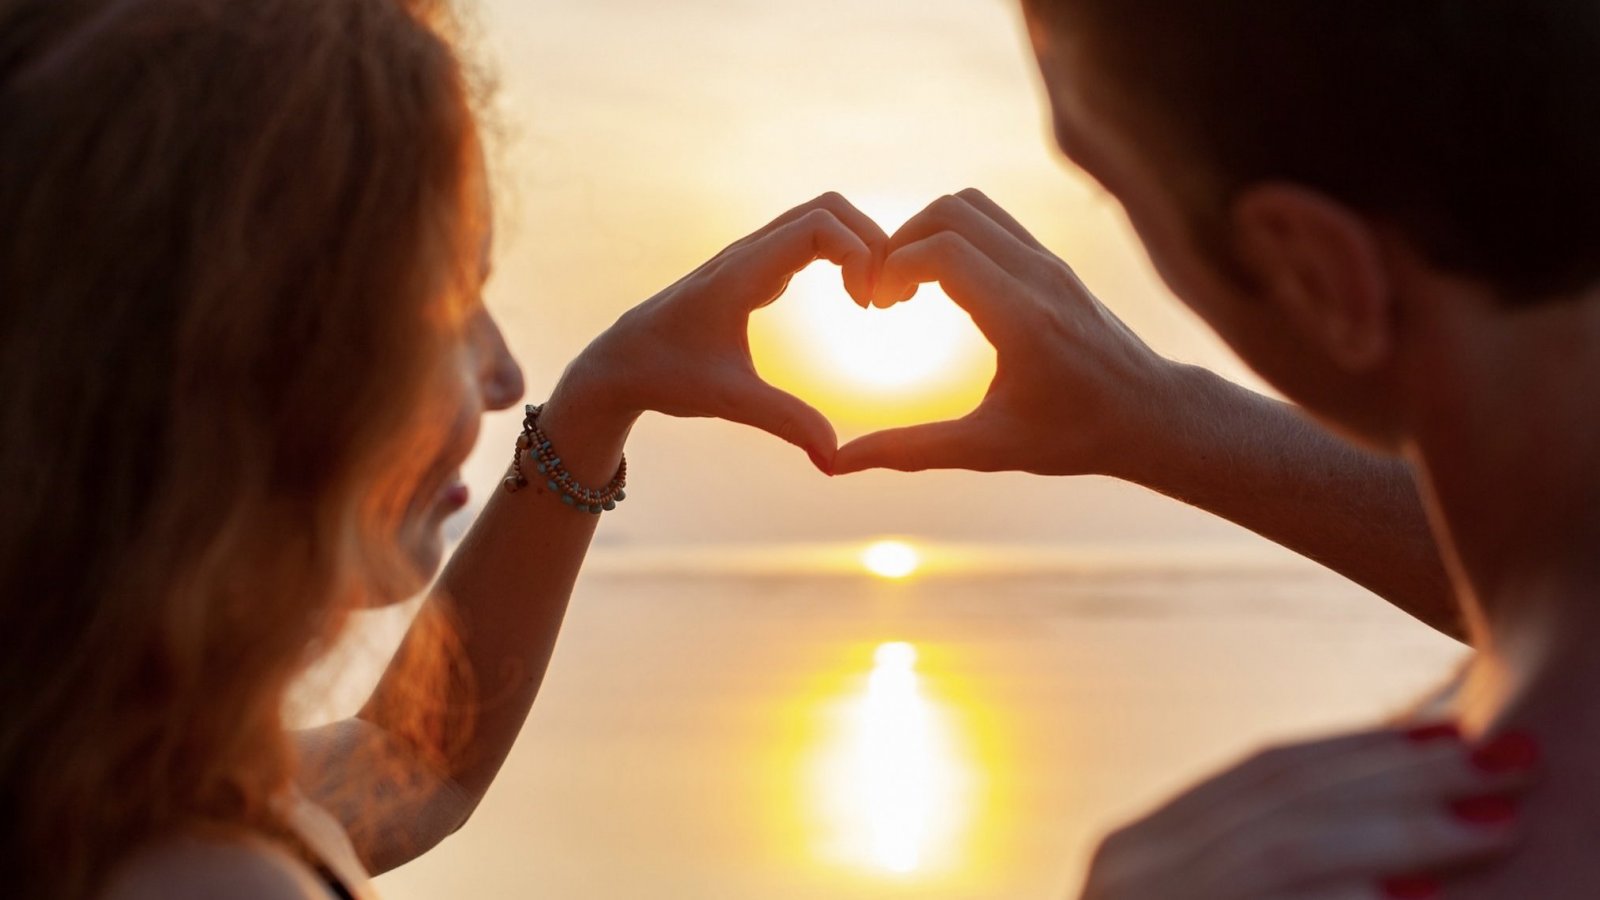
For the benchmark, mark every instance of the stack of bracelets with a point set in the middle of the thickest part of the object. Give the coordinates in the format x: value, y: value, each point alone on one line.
x: 536, y: 444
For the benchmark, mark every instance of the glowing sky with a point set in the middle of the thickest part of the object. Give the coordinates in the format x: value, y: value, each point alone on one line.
x: 634, y: 139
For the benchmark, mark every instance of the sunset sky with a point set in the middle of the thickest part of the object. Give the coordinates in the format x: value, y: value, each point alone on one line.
x: 634, y: 139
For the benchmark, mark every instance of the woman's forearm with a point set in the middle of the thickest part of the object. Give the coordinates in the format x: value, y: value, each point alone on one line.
x: 502, y: 598
x: 1261, y: 464
x: 506, y: 590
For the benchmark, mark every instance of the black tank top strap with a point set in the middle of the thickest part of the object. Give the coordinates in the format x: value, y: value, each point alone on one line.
x: 335, y: 885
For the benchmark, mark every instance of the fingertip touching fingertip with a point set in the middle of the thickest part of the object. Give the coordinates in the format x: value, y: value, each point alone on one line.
x: 823, y: 462
x: 845, y: 463
x: 886, y: 293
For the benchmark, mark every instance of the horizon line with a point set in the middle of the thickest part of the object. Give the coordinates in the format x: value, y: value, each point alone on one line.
x: 941, y: 558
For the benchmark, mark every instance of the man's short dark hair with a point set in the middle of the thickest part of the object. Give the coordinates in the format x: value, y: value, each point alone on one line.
x: 1472, y: 125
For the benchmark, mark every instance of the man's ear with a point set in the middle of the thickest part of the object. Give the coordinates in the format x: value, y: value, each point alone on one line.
x: 1323, y: 266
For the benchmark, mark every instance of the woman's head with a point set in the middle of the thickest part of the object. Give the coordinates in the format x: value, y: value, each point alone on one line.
x: 241, y: 349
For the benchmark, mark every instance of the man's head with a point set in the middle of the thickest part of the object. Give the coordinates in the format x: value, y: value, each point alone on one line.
x: 1299, y: 169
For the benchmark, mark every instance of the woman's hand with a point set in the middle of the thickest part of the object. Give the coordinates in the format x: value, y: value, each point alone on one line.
x: 1075, y: 391
x: 686, y: 351
x: 1357, y: 817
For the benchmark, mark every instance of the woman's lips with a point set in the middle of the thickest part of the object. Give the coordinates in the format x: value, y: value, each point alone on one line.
x: 454, y: 494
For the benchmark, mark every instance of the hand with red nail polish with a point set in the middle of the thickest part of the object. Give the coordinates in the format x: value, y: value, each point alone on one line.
x: 1372, y: 815
x: 1514, y: 751
x: 1411, y: 887
x: 1433, y: 731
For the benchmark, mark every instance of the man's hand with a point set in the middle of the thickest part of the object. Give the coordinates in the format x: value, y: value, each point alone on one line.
x: 1074, y: 387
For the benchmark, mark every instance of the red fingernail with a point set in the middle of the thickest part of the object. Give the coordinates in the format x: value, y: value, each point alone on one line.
x: 1412, y: 887
x: 1437, y: 731
x: 1514, y: 751
x: 1485, y: 810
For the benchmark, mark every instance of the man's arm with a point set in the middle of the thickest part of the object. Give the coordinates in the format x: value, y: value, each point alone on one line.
x: 1262, y: 464
x: 1076, y: 392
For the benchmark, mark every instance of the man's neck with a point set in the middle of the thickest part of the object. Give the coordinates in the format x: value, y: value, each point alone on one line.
x: 1508, y: 445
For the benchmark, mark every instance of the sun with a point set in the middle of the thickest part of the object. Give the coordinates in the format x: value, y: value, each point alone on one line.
x: 891, y: 559
x: 871, y: 368
x: 881, y: 350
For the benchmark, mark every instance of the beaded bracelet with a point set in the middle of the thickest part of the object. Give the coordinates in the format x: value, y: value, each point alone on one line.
x: 534, y: 442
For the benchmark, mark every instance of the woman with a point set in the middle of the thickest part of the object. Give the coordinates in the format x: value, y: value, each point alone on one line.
x: 244, y: 357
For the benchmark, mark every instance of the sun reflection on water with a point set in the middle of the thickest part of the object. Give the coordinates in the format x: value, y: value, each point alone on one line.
x: 896, y: 760
x: 893, y: 790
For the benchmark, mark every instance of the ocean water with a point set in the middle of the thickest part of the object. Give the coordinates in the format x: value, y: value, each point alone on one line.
x: 783, y: 726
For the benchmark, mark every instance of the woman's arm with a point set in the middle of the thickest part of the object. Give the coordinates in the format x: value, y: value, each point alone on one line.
x: 1076, y: 392
x: 505, y: 591
x: 502, y: 596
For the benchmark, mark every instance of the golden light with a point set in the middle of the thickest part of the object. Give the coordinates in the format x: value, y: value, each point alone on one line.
x: 893, y: 786
x: 891, y: 559
x: 897, y: 656
x: 879, y: 350
x: 895, y: 759
x: 917, y: 361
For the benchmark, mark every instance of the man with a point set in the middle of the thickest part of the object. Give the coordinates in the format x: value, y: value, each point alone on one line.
x: 1389, y: 209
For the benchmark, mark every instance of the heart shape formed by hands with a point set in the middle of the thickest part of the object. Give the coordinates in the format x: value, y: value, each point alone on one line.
x: 1068, y: 376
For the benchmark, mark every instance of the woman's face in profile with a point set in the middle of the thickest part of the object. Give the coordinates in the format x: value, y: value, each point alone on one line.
x: 478, y: 375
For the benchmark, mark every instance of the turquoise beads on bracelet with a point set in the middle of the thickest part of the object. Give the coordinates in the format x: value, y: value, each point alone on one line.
x: 558, y: 480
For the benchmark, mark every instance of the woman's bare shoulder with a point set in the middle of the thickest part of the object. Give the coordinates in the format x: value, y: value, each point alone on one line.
x: 197, y: 869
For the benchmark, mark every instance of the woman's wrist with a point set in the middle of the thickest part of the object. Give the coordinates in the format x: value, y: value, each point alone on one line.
x: 587, y: 425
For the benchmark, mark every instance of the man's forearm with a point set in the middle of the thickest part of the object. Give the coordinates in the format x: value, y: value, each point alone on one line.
x: 1263, y: 465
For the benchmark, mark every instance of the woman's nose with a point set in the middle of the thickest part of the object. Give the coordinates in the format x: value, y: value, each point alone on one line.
x: 500, y: 378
